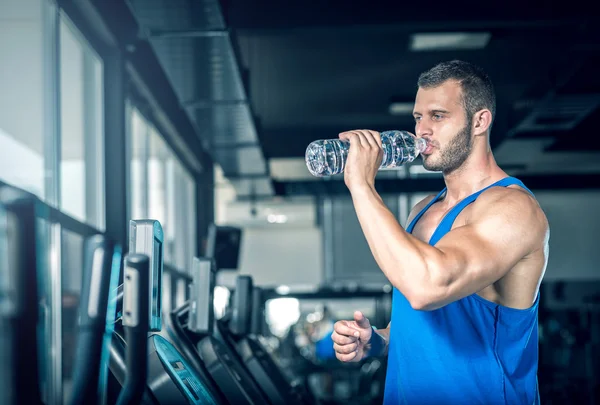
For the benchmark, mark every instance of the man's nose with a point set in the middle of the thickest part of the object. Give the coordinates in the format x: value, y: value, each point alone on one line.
x: 422, y: 129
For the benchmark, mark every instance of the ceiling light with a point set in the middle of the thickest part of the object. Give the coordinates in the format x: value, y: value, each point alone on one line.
x: 277, y: 218
x: 449, y: 41
x: 282, y: 290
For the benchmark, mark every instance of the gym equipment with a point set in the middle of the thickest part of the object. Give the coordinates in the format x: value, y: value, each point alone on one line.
x: 172, y: 281
x: 146, y: 237
x: 193, y: 324
x: 236, y: 331
x: 101, y: 265
x: 136, y: 324
x: 170, y: 379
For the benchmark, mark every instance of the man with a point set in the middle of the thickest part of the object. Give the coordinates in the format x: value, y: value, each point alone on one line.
x: 466, y: 271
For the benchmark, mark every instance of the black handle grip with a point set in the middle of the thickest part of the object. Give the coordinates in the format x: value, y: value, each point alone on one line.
x: 136, y: 323
x: 242, y: 306
x: 97, y: 270
x: 258, y: 313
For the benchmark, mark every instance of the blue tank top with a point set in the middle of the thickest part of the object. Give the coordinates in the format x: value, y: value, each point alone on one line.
x: 471, y: 351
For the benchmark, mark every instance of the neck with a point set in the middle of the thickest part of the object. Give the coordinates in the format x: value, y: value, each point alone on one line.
x: 478, y: 171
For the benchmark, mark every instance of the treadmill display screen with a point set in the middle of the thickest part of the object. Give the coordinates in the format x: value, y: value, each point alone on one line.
x: 157, y: 271
x: 181, y: 373
x: 146, y: 237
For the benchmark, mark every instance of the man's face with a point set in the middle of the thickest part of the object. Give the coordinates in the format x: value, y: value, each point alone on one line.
x: 440, y: 118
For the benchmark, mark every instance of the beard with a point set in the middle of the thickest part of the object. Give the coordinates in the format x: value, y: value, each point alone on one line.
x: 453, y: 155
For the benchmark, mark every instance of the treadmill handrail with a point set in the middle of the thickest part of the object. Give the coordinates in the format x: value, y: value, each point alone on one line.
x: 98, y: 265
x: 136, y: 324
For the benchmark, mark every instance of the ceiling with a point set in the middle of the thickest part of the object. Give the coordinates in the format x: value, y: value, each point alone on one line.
x: 262, y: 79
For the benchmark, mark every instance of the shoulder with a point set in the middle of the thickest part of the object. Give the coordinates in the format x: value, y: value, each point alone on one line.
x: 507, y: 198
x: 511, y: 206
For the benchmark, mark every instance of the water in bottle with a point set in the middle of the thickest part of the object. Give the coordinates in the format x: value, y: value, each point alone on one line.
x: 328, y: 157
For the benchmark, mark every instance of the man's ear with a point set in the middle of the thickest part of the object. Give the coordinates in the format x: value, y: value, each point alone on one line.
x: 482, y: 120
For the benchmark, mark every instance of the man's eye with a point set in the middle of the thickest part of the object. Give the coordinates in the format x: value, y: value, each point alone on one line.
x: 437, y: 117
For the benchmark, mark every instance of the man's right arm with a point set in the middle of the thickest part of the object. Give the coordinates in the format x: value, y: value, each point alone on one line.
x: 380, y: 338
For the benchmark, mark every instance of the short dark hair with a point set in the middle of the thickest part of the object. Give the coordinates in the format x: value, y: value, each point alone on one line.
x: 477, y: 88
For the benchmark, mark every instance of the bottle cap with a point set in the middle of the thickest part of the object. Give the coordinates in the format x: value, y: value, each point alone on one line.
x: 421, y: 144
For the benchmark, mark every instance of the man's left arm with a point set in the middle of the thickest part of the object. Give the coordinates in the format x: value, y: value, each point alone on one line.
x: 505, y: 225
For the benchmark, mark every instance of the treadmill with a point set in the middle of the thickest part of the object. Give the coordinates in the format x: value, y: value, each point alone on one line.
x: 174, y: 292
x: 237, y: 333
x: 194, y: 326
x: 101, y: 267
x: 19, y: 269
x: 170, y: 378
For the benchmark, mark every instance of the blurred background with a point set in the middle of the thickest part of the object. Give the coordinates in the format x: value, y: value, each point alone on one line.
x: 198, y: 113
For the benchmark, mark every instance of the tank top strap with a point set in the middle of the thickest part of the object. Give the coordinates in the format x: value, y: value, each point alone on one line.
x: 509, y: 181
x: 412, y: 224
x: 446, y: 225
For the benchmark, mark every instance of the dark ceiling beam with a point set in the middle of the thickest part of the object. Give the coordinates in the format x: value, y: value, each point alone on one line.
x: 156, y: 88
x: 148, y: 80
x: 403, y: 27
x: 569, y: 182
x: 563, y: 74
x: 197, y: 104
x: 294, y: 14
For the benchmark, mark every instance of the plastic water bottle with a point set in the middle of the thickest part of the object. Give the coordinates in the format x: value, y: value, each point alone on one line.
x: 327, y: 157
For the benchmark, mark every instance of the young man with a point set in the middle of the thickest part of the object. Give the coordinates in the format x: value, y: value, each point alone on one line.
x: 466, y: 272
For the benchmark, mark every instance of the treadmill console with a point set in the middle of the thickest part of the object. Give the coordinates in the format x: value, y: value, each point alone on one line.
x: 181, y: 373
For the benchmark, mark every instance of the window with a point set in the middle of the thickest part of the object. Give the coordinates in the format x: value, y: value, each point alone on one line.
x: 161, y: 188
x: 28, y: 133
x: 22, y: 95
x: 81, y: 168
x: 160, y: 160
x: 138, y: 133
x: 31, y: 128
x: 82, y: 149
x: 183, y: 197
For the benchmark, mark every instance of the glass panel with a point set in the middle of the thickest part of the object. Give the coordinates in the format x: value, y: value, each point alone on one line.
x: 160, y: 167
x: 190, y: 219
x: 182, y: 213
x: 72, y: 273
x: 81, y: 128
x: 6, y: 282
x: 138, y: 133
x: 48, y: 257
x: 22, y: 94
x: 163, y: 190
x: 95, y: 140
x: 6, y: 309
x: 172, y: 244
